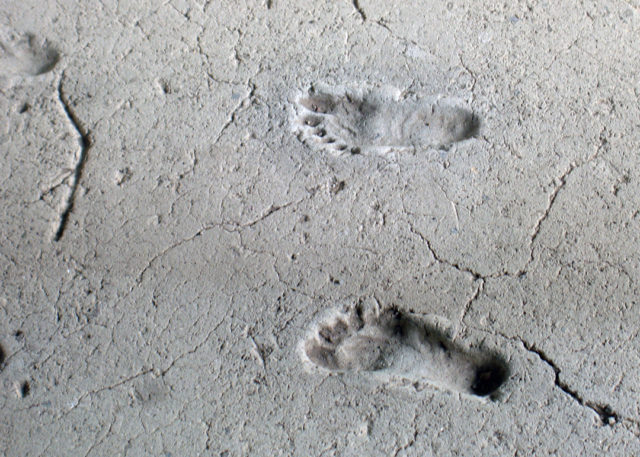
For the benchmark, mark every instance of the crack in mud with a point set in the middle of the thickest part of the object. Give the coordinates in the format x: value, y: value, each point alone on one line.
x: 356, y: 5
x: 438, y: 259
x: 84, y: 141
x: 607, y: 415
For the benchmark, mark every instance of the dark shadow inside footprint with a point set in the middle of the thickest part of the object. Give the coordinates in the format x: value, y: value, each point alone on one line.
x: 46, y: 64
x: 490, y: 371
x: 26, y: 54
x: 470, y: 126
x: 453, y: 124
x: 396, y: 345
x: 489, y: 377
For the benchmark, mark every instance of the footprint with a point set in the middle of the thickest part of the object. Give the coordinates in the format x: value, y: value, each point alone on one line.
x: 392, y: 346
x: 348, y: 121
x: 26, y: 55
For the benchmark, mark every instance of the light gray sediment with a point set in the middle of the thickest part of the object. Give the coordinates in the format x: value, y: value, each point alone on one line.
x: 199, y: 237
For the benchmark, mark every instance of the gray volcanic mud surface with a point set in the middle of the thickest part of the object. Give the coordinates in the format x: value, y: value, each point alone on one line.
x: 332, y: 228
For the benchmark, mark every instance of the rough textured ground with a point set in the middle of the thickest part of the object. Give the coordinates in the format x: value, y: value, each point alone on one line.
x: 167, y: 240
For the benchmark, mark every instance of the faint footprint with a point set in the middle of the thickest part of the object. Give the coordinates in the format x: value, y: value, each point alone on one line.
x: 24, y: 54
x: 392, y: 346
x: 350, y: 121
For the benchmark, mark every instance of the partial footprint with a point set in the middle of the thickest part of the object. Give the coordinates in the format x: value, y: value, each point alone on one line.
x: 392, y: 346
x: 26, y: 55
x: 350, y: 121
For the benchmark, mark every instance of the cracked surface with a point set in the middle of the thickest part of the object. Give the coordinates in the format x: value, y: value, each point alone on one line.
x: 198, y: 238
